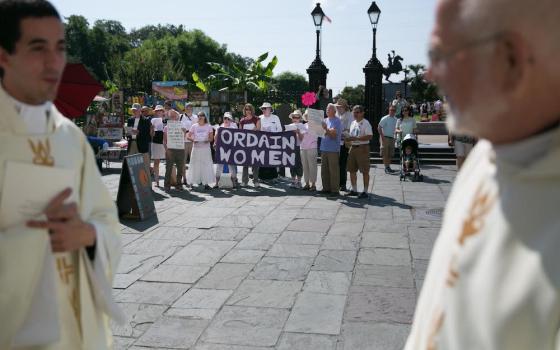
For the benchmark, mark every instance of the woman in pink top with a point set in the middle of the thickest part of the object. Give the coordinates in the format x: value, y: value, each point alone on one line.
x: 201, y: 170
x: 308, y: 151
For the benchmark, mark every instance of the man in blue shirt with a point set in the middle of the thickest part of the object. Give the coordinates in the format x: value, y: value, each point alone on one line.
x: 330, y: 152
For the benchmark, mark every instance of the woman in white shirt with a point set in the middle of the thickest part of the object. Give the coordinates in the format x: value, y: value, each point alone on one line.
x: 406, y: 125
x: 270, y: 123
x: 157, y: 148
x: 201, y: 167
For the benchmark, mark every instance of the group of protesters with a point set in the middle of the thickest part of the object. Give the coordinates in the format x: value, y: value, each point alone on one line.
x: 343, y: 147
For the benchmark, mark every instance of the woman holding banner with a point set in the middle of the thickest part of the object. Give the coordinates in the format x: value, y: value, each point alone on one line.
x: 296, y: 171
x: 250, y: 122
x: 271, y: 123
x: 232, y: 168
x: 201, y: 167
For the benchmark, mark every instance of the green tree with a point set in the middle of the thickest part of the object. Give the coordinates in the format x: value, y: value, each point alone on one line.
x: 137, y: 36
x: 291, y: 82
x: 422, y: 90
x: 77, y: 38
x: 354, y: 95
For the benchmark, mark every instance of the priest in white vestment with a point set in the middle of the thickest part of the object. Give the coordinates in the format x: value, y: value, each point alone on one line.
x: 56, y: 267
x: 493, y: 282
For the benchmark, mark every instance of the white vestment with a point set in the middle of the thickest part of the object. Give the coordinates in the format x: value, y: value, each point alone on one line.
x: 63, y: 300
x: 493, y: 281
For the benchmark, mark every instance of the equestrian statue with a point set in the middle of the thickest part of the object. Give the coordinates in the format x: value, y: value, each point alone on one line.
x: 394, y: 67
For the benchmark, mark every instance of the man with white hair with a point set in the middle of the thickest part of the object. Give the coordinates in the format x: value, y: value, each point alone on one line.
x: 494, y: 276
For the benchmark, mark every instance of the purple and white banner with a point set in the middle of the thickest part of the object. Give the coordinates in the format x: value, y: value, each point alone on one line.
x: 259, y: 148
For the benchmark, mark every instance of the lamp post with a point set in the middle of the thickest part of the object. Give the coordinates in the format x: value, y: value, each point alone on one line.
x: 317, y: 71
x: 374, y: 75
x: 405, y: 81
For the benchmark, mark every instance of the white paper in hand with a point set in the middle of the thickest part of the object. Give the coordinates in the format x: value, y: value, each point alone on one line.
x: 28, y: 189
x: 315, y: 120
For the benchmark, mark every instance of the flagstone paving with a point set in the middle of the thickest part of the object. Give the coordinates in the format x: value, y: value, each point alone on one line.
x: 278, y: 268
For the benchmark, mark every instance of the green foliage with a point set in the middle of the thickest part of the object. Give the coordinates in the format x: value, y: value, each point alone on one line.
x: 110, y: 87
x: 256, y: 76
x: 354, y: 95
x: 132, y: 61
x: 291, y: 82
x: 421, y: 89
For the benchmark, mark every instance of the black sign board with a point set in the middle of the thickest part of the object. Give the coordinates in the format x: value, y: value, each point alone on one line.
x: 134, y: 199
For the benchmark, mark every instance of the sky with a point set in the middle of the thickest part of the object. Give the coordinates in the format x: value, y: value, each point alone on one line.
x: 285, y: 28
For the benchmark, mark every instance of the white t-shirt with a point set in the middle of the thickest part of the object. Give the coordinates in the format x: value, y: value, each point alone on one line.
x: 346, y: 120
x: 301, y: 127
x: 158, y: 124
x: 232, y: 125
x: 187, y: 122
x: 407, y: 125
x: 359, y: 129
x: 271, y: 123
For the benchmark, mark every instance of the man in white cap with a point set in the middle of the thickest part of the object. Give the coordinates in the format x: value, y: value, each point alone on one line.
x: 494, y: 276
x: 59, y: 251
x: 138, y: 135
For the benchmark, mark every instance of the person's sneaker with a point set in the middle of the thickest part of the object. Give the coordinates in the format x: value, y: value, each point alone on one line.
x: 387, y: 170
x: 179, y: 187
x: 207, y: 187
x: 343, y: 189
x: 298, y: 185
x: 167, y: 189
x: 363, y: 195
x: 216, y: 186
x: 352, y: 194
x: 306, y: 188
x: 313, y: 188
x: 293, y: 185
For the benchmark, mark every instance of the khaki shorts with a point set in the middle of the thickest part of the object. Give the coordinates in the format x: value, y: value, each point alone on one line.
x: 358, y: 159
x: 463, y: 149
x: 388, y: 147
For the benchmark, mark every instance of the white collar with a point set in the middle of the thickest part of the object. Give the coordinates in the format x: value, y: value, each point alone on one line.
x: 526, y: 151
x: 34, y: 116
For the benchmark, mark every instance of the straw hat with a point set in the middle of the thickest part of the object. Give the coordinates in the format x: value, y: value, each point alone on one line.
x: 342, y: 103
x: 266, y: 105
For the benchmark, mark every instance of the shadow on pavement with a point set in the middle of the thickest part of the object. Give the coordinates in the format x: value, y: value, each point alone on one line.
x: 140, y: 226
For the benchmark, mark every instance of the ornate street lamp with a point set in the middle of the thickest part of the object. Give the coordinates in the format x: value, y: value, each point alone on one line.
x: 374, y: 13
x: 374, y: 75
x: 317, y: 71
x: 406, y: 81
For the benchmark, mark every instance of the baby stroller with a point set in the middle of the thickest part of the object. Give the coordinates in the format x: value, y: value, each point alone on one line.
x: 410, y: 162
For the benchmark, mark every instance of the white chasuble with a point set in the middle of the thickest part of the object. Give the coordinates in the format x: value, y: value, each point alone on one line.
x: 56, y: 300
x: 493, y: 280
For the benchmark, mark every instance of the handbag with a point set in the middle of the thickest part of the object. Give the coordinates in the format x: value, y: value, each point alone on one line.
x: 158, y: 137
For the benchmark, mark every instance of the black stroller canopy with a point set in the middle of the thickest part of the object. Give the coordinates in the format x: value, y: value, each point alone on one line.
x: 410, y: 140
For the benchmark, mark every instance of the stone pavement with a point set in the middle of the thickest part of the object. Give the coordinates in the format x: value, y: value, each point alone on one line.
x: 278, y: 268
